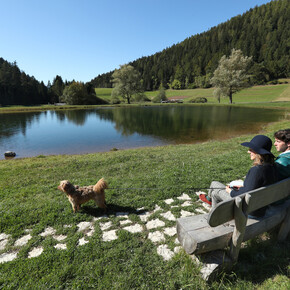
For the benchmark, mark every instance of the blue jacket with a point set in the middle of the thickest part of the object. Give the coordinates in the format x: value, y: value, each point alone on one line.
x: 283, y: 165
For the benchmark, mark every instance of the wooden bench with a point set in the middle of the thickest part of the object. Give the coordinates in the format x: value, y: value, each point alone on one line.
x: 228, y: 224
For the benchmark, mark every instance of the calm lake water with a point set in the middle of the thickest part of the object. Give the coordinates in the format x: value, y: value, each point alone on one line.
x: 96, y: 130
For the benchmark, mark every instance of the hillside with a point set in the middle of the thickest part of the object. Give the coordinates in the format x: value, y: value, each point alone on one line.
x: 262, y: 32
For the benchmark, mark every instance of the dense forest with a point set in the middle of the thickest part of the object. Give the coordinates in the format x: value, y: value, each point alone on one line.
x: 262, y: 32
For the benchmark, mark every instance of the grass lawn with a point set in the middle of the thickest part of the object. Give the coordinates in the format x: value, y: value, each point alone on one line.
x: 253, y: 95
x: 51, y: 247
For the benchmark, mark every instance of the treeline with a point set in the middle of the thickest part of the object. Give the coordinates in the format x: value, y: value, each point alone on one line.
x: 262, y: 32
x: 18, y: 88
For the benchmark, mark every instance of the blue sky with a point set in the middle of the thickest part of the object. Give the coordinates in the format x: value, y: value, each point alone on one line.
x: 79, y: 39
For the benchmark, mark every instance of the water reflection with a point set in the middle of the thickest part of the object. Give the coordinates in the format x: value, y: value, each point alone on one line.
x: 80, y: 131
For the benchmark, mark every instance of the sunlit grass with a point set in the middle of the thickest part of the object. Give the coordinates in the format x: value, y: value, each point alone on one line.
x: 29, y: 199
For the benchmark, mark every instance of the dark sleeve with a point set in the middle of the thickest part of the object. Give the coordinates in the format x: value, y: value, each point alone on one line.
x: 252, y: 181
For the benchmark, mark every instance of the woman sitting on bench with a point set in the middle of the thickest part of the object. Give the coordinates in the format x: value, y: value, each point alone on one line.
x: 263, y: 173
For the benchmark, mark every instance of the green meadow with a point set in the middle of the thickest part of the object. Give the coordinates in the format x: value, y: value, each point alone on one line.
x: 50, y: 249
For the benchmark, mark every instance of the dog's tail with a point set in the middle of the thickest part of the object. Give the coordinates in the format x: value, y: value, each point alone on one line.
x: 101, y: 185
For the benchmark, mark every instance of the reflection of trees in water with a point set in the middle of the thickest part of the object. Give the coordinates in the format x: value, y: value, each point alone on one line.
x: 12, y: 124
x: 78, y: 117
x: 188, y: 123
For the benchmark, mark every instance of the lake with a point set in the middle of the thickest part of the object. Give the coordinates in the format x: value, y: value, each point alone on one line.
x: 102, y: 129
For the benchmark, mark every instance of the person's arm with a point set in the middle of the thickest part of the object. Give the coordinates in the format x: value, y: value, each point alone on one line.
x: 252, y: 181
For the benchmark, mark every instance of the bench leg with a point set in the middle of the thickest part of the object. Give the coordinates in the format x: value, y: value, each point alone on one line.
x: 239, y: 231
x: 285, y: 227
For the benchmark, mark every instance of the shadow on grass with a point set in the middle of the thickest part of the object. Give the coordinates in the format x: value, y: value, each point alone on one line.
x: 111, y: 209
x: 262, y: 260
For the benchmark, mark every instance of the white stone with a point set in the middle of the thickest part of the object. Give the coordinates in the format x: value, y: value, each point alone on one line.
x: 3, y: 236
x: 169, y: 201
x: 186, y: 203
x: 7, y: 257
x: 170, y: 231
x: 206, y: 206
x: 185, y: 213
x: 110, y: 236
x: 184, y: 196
x: 82, y: 241
x: 207, y: 270
x: 67, y: 226
x: 60, y: 246
x: 3, y: 244
x: 122, y: 214
x: 83, y: 226
x: 155, y: 224
x: 156, y: 237
x: 105, y: 226
x: 59, y: 237
x: 35, y: 252
x: 125, y: 222
x: 177, y: 241
x: 22, y: 241
x: 134, y: 229
x: 198, y: 193
x: 177, y: 249
x: 99, y: 218
x: 48, y: 232
x: 90, y: 233
x: 157, y: 207
x: 144, y: 216
x: 164, y: 252
x: 168, y: 215
x: 200, y: 210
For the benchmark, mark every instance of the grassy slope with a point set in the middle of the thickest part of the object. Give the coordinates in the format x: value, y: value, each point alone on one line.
x: 256, y: 94
x: 30, y: 200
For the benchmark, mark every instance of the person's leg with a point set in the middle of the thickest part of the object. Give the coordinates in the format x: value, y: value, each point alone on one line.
x: 219, y: 196
x: 215, y: 186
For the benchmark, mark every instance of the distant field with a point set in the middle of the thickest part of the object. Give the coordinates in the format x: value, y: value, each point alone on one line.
x: 256, y: 94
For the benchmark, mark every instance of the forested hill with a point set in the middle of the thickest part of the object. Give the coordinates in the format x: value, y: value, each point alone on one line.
x: 16, y: 87
x: 262, y: 32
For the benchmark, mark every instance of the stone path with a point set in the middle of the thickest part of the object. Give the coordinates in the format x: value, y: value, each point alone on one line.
x: 159, y: 224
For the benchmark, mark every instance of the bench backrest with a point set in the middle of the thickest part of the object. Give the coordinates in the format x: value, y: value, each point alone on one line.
x: 254, y: 199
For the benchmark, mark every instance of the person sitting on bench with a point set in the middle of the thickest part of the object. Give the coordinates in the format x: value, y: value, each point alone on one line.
x: 264, y: 172
x: 282, y: 144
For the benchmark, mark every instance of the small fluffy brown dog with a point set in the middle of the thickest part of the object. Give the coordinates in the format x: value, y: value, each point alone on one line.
x: 78, y: 195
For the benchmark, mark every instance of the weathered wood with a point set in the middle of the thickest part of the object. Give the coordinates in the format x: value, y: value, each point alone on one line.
x: 195, y: 235
x: 239, y: 231
x: 285, y: 227
x: 204, y: 238
x: 224, y: 211
x: 264, y: 196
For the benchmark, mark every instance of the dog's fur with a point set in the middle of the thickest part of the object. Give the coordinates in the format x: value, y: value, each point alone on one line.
x: 78, y: 195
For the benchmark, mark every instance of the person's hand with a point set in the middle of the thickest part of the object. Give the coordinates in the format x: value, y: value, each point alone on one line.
x: 228, y: 189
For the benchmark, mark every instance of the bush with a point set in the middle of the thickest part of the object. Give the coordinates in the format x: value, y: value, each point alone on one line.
x: 198, y: 100
x: 141, y: 98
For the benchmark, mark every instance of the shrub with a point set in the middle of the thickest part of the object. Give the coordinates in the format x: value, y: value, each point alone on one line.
x: 198, y: 100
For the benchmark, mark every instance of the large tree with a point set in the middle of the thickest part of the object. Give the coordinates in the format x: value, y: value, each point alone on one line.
x: 126, y: 82
x: 231, y: 74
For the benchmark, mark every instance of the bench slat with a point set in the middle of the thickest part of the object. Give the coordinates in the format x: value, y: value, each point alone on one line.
x: 203, y: 238
x: 224, y: 211
x: 256, y: 199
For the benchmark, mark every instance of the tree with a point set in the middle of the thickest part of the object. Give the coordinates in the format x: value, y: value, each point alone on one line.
x: 126, y: 82
x: 230, y: 75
